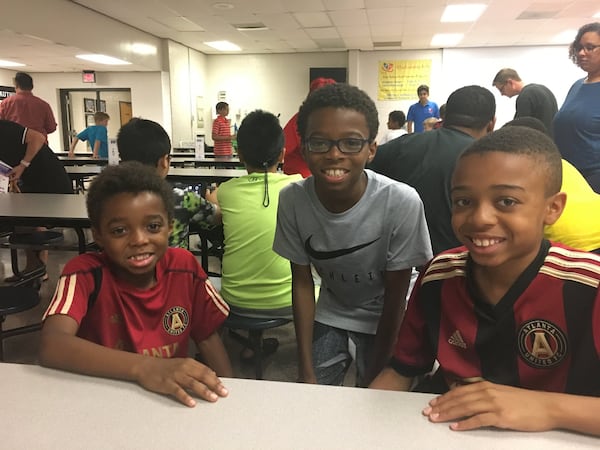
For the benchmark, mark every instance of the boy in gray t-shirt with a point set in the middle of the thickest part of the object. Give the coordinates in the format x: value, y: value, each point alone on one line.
x: 363, y: 233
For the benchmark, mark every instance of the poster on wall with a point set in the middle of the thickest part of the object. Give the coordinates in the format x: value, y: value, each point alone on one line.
x: 399, y: 80
x: 6, y: 91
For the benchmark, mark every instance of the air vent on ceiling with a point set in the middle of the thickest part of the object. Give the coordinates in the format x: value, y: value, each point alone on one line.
x: 258, y: 26
x: 387, y: 44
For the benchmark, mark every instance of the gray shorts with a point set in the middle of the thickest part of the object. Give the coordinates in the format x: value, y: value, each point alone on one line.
x: 333, y: 352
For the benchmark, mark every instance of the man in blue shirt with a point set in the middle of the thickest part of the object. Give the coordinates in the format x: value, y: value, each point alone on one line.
x: 421, y: 110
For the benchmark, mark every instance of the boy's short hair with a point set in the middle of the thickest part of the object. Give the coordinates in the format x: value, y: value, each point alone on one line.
x: 260, y: 139
x: 530, y: 122
x: 504, y: 75
x: 423, y: 87
x: 397, y: 116
x: 343, y: 96
x: 100, y: 116
x: 221, y: 105
x: 144, y: 141
x: 525, y: 141
x: 23, y: 81
x: 129, y: 177
x: 471, y: 107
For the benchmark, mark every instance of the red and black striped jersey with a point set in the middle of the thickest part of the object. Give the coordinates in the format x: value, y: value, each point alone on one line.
x: 544, y: 334
x: 157, y: 322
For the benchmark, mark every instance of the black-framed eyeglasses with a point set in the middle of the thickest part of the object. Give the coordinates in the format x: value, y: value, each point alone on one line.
x: 589, y: 48
x: 346, y: 145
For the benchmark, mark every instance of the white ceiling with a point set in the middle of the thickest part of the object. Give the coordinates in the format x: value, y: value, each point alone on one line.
x: 292, y: 26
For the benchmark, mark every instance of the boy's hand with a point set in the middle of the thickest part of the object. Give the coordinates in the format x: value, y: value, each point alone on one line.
x: 179, y: 377
x: 486, y: 404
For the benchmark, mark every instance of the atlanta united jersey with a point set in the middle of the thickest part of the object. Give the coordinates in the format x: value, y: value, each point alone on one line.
x: 544, y: 334
x: 158, y: 321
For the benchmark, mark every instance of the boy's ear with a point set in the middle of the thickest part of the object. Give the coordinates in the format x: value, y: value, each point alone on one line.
x: 556, y: 205
x: 163, y: 164
x: 372, y: 151
x: 281, y: 156
x: 97, y: 237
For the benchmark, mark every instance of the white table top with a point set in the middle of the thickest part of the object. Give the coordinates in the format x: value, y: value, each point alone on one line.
x: 47, y: 409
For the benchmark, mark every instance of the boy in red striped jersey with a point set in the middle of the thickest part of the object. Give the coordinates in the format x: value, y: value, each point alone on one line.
x: 514, y: 320
x: 129, y: 311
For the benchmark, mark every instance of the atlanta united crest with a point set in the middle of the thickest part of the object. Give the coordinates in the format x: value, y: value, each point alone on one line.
x: 176, y: 320
x: 542, y: 344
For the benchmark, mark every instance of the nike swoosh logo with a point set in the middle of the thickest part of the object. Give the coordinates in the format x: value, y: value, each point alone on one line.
x: 316, y: 254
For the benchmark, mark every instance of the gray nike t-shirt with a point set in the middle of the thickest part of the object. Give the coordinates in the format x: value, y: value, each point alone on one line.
x: 385, y: 231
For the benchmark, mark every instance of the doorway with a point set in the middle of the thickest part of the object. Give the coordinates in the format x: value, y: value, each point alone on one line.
x: 77, y: 108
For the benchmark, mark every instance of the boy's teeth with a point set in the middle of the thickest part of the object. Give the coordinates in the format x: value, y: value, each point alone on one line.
x: 485, y: 242
x: 140, y: 257
x: 334, y: 172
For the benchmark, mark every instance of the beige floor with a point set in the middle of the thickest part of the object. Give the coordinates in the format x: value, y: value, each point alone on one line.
x: 281, y: 366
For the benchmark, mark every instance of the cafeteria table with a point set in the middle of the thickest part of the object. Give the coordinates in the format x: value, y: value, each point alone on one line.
x: 46, y: 210
x: 51, y: 409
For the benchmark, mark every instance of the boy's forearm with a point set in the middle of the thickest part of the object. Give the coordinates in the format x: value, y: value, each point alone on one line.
x: 390, y: 380
x: 72, y: 353
x: 215, y: 356
x: 303, y: 304
x: 576, y: 413
x: 396, y: 287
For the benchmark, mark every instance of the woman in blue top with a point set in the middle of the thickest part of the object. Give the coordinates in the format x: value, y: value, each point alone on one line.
x: 577, y: 123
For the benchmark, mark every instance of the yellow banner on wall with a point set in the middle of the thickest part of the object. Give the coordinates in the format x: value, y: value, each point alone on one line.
x: 399, y: 80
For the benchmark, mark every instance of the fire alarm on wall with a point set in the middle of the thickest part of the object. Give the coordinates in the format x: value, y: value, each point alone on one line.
x: 88, y: 76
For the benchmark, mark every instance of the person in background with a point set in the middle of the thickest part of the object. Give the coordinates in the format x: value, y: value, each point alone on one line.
x: 577, y: 123
x: 440, y: 123
x: 344, y: 220
x: 129, y: 311
x: 293, y: 161
x: 511, y: 318
x: 96, y: 135
x: 426, y: 161
x: 26, y: 109
x: 36, y: 169
x: 147, y: 142
x: 256, y: 281
x: 577, y: 226
x: 421, y: 110
x: 395, y: 124
x: 430, y: 123
x: 221, y: 131
x: 533, y: 100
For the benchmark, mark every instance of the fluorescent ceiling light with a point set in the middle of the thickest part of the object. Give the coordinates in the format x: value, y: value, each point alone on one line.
x: 564, y: 37
x: 446, y: 39
x: 4, y: 63
x: 103, y: 59
x: 143, y: 49
x: 462, y: 13
x: 597, y: 15
x: 224, y: 46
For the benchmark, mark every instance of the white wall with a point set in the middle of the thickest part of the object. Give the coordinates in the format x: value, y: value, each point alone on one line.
x: 277, y: 83
x: 146, y: 94
x: 547, y: 65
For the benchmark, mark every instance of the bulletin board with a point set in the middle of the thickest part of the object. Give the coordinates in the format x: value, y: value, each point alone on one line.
x: 399, y: 79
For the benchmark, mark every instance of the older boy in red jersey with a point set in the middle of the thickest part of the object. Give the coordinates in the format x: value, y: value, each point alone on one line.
x: 221, y: 131
x: 129, y: 311
x: 512, y: 319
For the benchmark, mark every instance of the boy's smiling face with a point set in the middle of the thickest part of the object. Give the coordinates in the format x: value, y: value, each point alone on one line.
x: 134, y: 234
x: 500, y: 207
x: 339, y: 177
